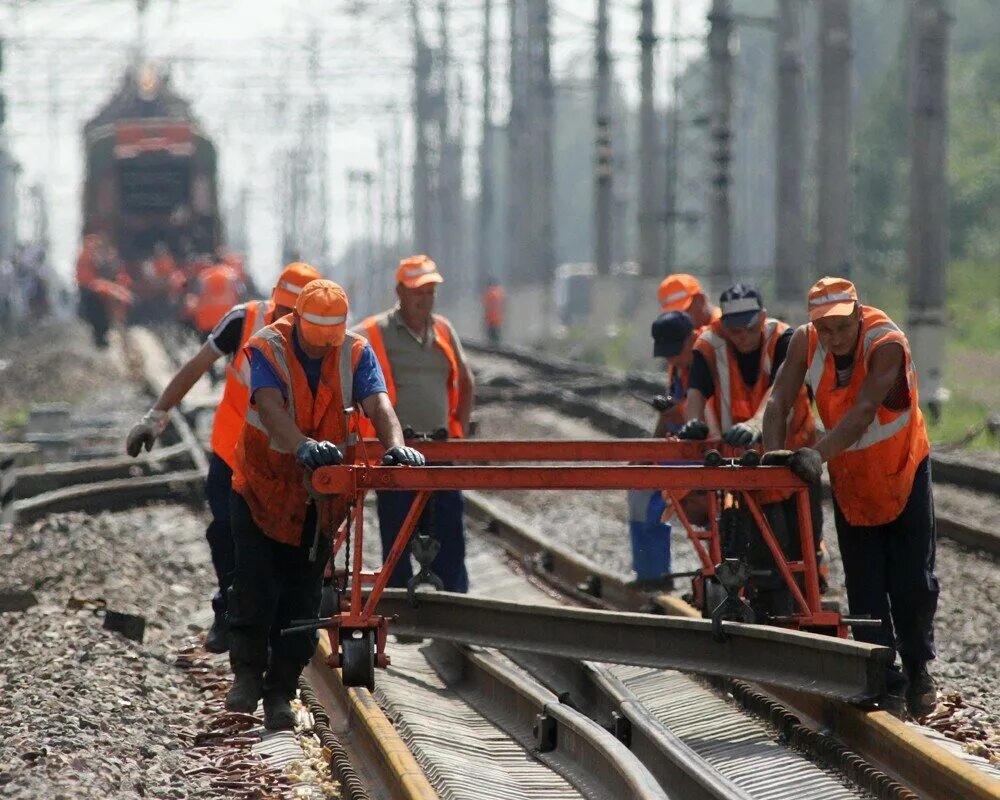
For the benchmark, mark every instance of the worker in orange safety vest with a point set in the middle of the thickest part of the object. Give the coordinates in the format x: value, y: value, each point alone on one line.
x: 494, y: 303
x: 227, y: 339
x: 858, y: 365
x: 683, y: 292
x: 431, y: 386
x: 219, y: 289
x: 307, y: 373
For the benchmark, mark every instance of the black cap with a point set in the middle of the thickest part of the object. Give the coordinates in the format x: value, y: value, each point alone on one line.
x: 670, y: 333
x: 739, y: 304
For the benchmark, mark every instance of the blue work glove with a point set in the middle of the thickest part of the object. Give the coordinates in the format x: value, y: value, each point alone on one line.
x: 313, y: 454
x: 403, y: 457
x: 693, y: 429
x: 742, y: 434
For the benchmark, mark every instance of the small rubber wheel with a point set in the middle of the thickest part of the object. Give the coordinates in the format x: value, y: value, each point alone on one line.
x: 357, y: 658
x: 713, y: 458
x: 751, y: 458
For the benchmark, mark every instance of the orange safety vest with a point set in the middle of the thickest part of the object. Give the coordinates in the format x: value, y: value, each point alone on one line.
x: 493, y: 305
x: 268, y: 478
x: 442, y: 339
x: 873, y: 478
x: 232, y: 408
x: 219, y: 293
x: 733, y: 401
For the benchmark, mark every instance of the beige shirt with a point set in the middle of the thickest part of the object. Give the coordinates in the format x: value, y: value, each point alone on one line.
x: 420, y: 371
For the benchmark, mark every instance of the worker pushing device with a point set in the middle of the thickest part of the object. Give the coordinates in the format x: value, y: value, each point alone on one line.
x: 227, y: 339
x: 857, y: 364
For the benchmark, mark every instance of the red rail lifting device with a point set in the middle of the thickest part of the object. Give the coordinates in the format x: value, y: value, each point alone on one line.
x: 362, y: 632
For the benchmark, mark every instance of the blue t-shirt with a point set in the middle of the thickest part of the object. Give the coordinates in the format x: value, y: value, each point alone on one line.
x: 368, y: 377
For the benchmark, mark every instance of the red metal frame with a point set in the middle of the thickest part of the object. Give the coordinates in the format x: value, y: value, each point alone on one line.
x: 354, y: 480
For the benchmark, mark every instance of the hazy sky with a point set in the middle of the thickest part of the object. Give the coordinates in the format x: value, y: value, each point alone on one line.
x: 245, y: 66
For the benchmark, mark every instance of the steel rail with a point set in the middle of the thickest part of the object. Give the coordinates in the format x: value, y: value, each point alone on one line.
x: 826, y: 665
x: 573, y: 745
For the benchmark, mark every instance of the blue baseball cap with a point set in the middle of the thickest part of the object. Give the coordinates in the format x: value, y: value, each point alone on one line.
x: 670, y: 333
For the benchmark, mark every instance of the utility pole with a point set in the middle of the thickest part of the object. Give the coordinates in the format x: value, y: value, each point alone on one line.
x: 720, y: 58
x: 518, y: 185
x: 650, y: 259
x: 543, y: 127
x: 484, y: 256
x: 400, y: 244
x: 673, y: 140
x: 927, y: 251
x: 422, y: 200
x: 789, y: 247
x: 833, y: 255
x: 603, y: 197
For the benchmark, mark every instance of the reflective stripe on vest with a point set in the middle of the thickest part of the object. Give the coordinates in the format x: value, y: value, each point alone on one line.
x: 723, y: 386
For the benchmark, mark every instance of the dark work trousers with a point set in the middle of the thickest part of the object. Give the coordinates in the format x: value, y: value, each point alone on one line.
x: 443, y: 517
x: 889, y: 572
x: 219, y: 531
x: 273, y: 583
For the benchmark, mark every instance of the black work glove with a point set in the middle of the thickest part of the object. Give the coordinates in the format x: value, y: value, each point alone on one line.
x: 742, y: 434
x: 807, y: 464
x: 776, y: 458
x: 313, y: 454
x: 403, y: 457
x: 146, y: 431
x: 693, y: 429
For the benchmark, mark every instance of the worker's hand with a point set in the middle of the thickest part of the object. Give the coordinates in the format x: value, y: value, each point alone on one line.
x: 807, y: 464
x: 776, y: 458
x: 403, y: 457
x: 313, y: 454
x: 693, y: 429
x: 146, y: 431
x: 742, y: 434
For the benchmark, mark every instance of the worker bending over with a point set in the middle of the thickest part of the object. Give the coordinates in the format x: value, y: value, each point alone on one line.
x: 857, y: 363
x: 431, y: 387
x: 306, y: 373
x: 733, y: 367
x: 227, y: 340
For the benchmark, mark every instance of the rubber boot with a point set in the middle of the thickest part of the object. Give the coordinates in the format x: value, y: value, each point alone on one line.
x: 217, y: 639
x: 921, y: 693
x: 247, y: 657
x: 280, y: 685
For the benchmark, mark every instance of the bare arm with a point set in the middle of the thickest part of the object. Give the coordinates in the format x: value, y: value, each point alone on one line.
x: 674, y: 416
x: 695, y: 408
x: 280, y: 426
x: 186, y: 377
x: 466, y: 395
x: 379, y: 410
x: 787, y: 384
x: 883, y: 372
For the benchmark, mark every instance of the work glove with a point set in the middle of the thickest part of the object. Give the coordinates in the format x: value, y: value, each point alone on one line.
x: 776, y: 458
x: 807, y: 464
x: 693, y: 429
x: 313, y: 455
x: 742, y: 434
x: 403, y: 457
x: 146, y: 431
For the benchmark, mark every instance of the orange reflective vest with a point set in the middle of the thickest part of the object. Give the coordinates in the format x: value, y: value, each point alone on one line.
x: 442, y: 339
x: 268, y: 478
x: 873, y: 478
x: 232, y: 408
x: 493, y: 305
x: 219, y: 293
x: 733, y: 401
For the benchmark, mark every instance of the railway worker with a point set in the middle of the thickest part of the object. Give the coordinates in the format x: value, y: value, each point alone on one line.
x: 674, y: 335
x: 682, y: 292
x: 430, y: 385
x: 494, y: 302
x: 306, y: 369
x: 227, y: 339
x: 733, y: 367
x: 219, y: 289
x: 857, y: 363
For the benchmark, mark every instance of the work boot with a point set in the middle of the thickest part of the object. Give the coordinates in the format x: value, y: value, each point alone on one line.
x: 217, y: 639
x: 280, y: 685
x: 921, y: 694
x: 278, y: 714
x: 245, y: 692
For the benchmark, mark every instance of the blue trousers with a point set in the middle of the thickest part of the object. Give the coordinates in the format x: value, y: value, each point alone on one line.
x: 442, y: 519
x: 219, y: 532
x: 650, y: 536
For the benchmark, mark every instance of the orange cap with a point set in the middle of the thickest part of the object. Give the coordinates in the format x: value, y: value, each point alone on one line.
x: 832, y: 297
x: 292, y: 280
x: 321, y: 313
x: 218, y: 280
x: 417, y: 271
x: 677, y: 292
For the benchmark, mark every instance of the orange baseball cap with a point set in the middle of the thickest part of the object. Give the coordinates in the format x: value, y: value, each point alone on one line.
x: 417, y: 271
x: 832, y: 297
x: 677, y: 292
x: 321, y: 313
x: 292, y: 280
